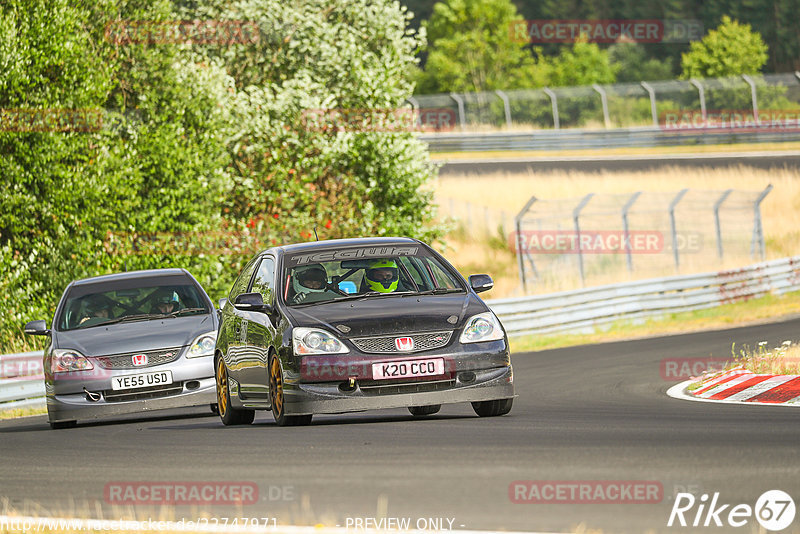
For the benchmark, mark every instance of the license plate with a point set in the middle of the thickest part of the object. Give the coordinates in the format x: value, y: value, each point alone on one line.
x: 143, y: 380
x: 408, y: 369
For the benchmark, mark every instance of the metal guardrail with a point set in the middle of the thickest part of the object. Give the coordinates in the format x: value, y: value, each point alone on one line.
x: 576, y: 139
x: 21, y: 381
x: 583, y: 310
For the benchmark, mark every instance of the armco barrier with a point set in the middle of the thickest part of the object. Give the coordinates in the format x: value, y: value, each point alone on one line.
x: 21, y: 381
x: 582, y: 310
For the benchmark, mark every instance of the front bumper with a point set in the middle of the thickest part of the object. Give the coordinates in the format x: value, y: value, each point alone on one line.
x: 318, y: 398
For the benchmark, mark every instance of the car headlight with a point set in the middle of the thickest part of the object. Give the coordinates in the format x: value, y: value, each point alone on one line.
x: 316, y: 341
x: 482, y: 327
x: 66, y: 361
x: 203, y: 345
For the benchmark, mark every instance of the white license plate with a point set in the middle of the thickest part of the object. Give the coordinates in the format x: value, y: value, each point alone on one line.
x: 408, y: 369
x: 144, y: 380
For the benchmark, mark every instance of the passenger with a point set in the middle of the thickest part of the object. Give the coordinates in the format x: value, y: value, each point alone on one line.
x: 308, y: 280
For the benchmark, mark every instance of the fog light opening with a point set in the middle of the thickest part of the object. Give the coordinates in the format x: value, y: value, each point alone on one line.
x: 348, y: 386
x: 192, y: 384
x: 466, y: 377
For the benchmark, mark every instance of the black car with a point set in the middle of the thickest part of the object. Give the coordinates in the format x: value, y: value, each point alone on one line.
x: 357, y: 324
x: 129, y: 343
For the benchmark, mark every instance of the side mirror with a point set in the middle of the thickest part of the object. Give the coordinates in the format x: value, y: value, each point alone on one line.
x: 222, y: 302
x: 481, y: 282
x: 36, y: 328
x: 253, y: 302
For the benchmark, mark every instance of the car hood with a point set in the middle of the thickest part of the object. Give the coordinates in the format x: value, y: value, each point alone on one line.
x: 136, y: 336
x: 390, y: 315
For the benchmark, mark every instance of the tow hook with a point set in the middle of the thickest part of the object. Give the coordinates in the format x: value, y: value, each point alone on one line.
x: 94, y: 397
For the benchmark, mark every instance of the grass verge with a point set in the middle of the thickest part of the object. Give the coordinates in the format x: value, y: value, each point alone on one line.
x: 22, y: 412
x: 725, y: 316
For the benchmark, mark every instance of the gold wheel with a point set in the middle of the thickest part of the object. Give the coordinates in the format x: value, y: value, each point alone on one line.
x: 276, y: 387
x: 222, y: 388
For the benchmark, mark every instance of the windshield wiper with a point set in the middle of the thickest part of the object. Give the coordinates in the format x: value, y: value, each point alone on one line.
x: 185, y: 311
x: 438, y: 291
x: 366, y: 295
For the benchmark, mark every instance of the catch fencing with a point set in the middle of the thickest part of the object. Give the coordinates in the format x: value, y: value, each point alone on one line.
x: 586, y: 310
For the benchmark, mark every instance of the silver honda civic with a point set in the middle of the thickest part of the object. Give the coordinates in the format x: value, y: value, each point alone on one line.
x: 128, y: 343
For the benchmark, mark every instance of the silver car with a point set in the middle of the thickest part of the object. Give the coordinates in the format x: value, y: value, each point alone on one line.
x: 129, y: 343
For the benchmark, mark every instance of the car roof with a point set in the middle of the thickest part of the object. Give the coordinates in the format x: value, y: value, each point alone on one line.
x: 132, y: 275
x: 352, y: 242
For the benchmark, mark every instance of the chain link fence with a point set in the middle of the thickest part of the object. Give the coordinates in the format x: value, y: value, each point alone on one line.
x: 771, y: 100
x: 600, y: 237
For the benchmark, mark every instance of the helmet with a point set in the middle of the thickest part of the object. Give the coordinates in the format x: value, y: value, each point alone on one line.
x: 378, y: 276
x: 166, y: 296
x: 314, y: 274
x: 97, y: 303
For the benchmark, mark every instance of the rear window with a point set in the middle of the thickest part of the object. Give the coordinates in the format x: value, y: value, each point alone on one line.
x: 100, y: 303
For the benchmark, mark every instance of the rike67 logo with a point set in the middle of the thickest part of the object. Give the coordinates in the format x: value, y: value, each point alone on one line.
x: 774, y: 511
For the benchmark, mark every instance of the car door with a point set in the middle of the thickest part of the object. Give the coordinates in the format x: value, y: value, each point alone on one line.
x: 259, y: 333
x: 234, y: 328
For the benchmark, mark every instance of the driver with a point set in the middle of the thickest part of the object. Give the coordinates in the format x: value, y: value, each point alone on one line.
x: 308, y: 280
x: 166, y: 301
x: 382, y: 276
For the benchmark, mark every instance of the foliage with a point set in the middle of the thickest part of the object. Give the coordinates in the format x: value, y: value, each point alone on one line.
x: 730, y: 50
x: 633, y: 65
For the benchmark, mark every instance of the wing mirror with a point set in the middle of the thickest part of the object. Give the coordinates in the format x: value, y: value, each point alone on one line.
x: 252, y: 302
x: 36, y: 328
x: 481, y: 282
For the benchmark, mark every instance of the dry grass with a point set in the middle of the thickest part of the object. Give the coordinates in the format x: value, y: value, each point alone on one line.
x: 781, y: 360
x: 497, y: 197
x: 22, y: 412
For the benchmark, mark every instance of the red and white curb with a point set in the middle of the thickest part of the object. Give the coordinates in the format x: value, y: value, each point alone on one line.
x: 739, y: 386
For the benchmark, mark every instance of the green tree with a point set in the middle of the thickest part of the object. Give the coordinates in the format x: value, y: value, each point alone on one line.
x: 729, y: 50
x: 582, y: 64
x: 474, y: 48
x: 633, y: 65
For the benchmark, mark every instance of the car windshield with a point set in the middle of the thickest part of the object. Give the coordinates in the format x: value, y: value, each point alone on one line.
x: 364, y: 272
x: 129, y: 300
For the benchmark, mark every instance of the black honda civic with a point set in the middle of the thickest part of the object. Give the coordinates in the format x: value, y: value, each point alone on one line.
x: 358, y: 324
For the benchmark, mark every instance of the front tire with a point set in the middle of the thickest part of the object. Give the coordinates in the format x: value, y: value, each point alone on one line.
x: 422, y: 411
x: 493, y: 408
x: 277, y: 399
x: 228, y: 414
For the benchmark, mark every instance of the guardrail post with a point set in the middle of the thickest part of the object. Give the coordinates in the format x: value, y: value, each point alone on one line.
x: 604, y: 102
x: 554, y: 104
x: 625, y: 210
x: 758, y: 230
x: 717, y: 225
x: 673, y: 226
x: 521, y: 243
x: 797, y: 75
x: 652, y: 93
x: 506, y: 106
x: 575, y: 217
x: 460, y: 102
x: 753, y: 95
x: 702, y: 92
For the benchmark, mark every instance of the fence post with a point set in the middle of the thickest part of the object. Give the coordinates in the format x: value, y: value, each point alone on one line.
x: 717, y: 225
x: 702, y: 93
x: 625, y: 210
x: 506, y: 106
x: 758, y: 230
x: 576, y: 213
x: 753, y: 95
x: 460, y: 102
x: 554, y: 103
x: 673, y: 226
x: 604, y: 102
x: 520, y: 243
x: 652, y: 93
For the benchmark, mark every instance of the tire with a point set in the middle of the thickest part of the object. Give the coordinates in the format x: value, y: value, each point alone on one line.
x: 421, y: 411
x: 493, y: 408
x: 58, y: 425
x: 276, y: 398
x: 229, y: 415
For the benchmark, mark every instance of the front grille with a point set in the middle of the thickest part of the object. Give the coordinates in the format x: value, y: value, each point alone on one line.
x: 124, y: 361
x: 154, y: 392
x: 385, y: 344
x: 371, y: 390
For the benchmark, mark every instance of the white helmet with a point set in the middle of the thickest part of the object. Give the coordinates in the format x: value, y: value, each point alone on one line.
x: 314, y: 274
